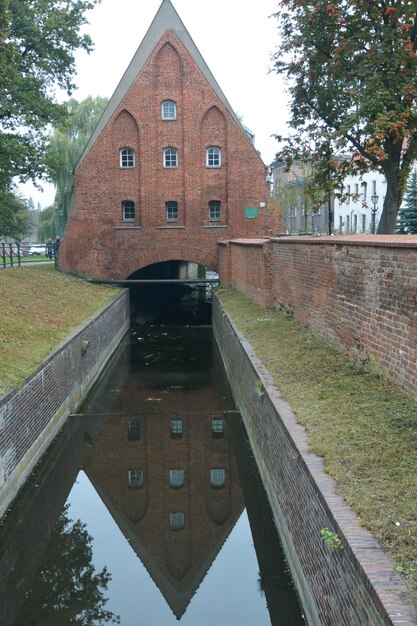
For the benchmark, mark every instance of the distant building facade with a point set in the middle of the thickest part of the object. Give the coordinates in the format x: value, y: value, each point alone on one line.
x: 357, y: 212
x: 289, y: 200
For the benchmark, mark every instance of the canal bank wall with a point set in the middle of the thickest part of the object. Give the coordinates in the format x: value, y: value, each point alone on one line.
x: 359, y: 291
x: 32, y: 415
x: 352, y: 586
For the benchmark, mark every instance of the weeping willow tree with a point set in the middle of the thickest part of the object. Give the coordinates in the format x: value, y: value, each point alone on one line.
x: 46, y: 225
x: 65, y: 147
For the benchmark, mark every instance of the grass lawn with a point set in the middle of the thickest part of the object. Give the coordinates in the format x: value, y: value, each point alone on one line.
x: 38, y: 307
x: 362, y: 425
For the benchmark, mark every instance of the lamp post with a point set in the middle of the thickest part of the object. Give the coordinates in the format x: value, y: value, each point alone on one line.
x: 374, y: 209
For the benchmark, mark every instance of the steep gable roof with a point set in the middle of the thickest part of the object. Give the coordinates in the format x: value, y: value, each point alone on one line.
x: 165, y: 18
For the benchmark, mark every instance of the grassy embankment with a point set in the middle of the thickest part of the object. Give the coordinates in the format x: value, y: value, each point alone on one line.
x: 362, y: 425
x: 38, y: 308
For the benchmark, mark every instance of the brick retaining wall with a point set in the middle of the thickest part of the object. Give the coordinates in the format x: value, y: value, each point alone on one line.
x: 359, y: 292
x: 356, y: 586
x: 31, y: 416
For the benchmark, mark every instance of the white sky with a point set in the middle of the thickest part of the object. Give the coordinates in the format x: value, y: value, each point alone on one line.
x: 236, y: 40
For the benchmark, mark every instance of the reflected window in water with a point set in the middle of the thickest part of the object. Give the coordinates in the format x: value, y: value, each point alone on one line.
x: 133, y: 433
x: 135, y: 478
x: 217, y: 477
x: 177, y: 520
x: 217, y: 428
x: 176, y: 478
x: 176, y: 429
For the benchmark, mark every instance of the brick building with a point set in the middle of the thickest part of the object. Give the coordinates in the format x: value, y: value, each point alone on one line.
x: 169, y: 170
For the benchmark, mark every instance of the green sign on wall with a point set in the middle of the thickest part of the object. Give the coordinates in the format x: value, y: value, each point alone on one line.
x: 251, y: 212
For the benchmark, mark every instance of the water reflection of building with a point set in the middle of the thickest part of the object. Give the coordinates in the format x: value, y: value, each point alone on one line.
x: 170, y: 482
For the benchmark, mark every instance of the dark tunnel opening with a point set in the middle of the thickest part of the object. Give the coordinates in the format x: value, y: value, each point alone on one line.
x: 173, y: 301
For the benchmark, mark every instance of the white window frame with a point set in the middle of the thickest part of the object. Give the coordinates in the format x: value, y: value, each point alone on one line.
x: 215, y: 211
x: 128, y: 205
x: 135, y: 478
x: 170, y: 207
x: 177, y: 520
x: 127, y: 158
x: 170, y: 160
x: 213, y: 157
x: 217, y: 427
x: 217, y: 477
x: 169, y: 110
x: 176, y: 428
x: 134, y: 429
x: 176, y: 478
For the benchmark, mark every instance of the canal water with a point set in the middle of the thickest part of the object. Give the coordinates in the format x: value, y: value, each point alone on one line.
x: 148, y: 508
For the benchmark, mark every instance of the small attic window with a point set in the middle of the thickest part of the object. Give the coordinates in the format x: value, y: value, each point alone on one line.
x: 127, y: 158
x: 169, y: 110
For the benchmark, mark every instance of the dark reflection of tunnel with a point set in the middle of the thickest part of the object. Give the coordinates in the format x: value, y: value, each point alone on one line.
x: 175, y: 302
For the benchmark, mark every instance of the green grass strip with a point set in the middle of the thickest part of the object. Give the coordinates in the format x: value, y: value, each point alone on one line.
x: 38, y: 308
x: 360, y: 423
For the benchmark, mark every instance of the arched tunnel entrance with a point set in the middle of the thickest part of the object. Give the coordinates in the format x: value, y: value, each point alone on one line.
x: 178, y: 292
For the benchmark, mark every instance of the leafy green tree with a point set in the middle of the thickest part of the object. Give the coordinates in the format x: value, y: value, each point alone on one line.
x: 37, y: 44
x: 15, y: 219
x: 67, y: 590
x: 65, y: 147
x: 352, y: 72
x: 407, y: 216
x: 46, y: 224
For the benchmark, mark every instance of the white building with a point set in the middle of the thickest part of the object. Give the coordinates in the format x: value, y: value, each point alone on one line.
x: 360, y: 210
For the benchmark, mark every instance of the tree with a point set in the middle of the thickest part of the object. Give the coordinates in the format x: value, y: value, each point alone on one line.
x: 15, y: 219
x: 352, y: 70
x: 65, y: 147
x: 37, y: 44
x: 67, y: 590
x: 46, y: 224
x: 407, y: 216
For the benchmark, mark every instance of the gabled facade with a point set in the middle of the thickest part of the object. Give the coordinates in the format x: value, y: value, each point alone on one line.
x: 169, y: 169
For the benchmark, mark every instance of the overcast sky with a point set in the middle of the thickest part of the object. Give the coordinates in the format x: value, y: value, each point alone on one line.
x: 235, y: 39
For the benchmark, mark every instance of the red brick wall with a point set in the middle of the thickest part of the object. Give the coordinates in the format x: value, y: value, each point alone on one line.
x: 358, y: 292
x: 356, y: 586
x: 32, y: 415
x: 97, y: 242
x: 248, y: 264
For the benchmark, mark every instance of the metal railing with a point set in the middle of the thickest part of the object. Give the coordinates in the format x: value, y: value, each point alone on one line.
x: 10, y: 254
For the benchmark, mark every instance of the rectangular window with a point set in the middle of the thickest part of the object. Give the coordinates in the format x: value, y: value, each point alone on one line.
x: 176, y: 478
x: 127, y: 158
x: 218, y: 477
x: 364, y: 192
x: 340, y: 224
x: 133, y: 433
x: 215, y: 211
x: 355, y: 223
x: 171, y: 208
x: 374, y: 187
x: 135, y: 478
x: 177, y: 520
x: 348, y: 224
x: 169, y: 110
x: 363, y: 217
x: 128, y: 211
x: 217, y: 428
x: 356, y: 190
x: 176, y: 429
x: 170, y: 157
x: 347, y: 194
x: 213, y: 157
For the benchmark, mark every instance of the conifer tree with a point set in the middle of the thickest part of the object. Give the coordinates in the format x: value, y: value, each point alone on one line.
x: 407, y: 216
